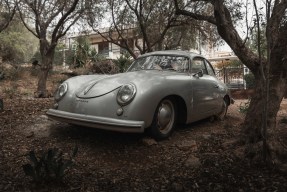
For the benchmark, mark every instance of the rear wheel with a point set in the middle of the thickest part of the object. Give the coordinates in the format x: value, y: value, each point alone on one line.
x: 222, y: 114
x: 164, y: 119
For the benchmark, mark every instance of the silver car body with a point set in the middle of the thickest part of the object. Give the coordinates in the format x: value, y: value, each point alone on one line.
x: 91, y: 100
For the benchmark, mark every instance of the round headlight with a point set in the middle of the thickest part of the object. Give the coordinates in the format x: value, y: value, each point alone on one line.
x: 63, y: 88
x: 126, y: 94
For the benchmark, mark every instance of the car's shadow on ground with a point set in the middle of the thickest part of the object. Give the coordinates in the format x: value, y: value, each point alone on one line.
x: 93, y: 136
x: 208, y: 122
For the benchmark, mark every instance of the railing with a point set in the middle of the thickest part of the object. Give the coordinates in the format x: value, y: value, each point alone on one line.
x: 233, y: 77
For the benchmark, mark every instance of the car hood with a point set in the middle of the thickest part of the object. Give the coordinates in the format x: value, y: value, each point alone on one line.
x: 105, y: 84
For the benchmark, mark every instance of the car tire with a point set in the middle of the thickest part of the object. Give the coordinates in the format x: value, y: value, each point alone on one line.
x: 164, y: 119
x: 222, y: 114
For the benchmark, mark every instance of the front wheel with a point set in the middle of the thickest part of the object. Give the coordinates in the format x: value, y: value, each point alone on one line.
x: 222, y: 114
x: 164, y: 119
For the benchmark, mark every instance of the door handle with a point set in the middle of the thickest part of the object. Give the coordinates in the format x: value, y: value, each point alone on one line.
x: 216, y: 86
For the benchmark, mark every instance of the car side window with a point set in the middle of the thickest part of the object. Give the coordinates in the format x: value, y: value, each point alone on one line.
x: 209, y: 68
x: 180, y: 64
x: 197, y: 65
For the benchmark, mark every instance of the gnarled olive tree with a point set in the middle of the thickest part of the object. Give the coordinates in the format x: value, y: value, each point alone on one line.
x: 51, y: 20
x: 276, y: 30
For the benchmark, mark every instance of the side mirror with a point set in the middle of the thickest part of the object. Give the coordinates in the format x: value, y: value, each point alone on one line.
x: 199, y: 73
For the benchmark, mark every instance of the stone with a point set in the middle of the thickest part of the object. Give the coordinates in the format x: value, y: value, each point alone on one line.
x: 44, y: 117
x: 149, y: 141
x: 30, y: 134
x: 206, y: 136
x: 188, y: 144
x: 192, y: 162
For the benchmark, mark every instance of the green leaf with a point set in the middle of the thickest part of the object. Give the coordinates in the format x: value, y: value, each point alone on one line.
x: 63, y: 167
x: 29, y: 170
x: 75, y: 151
x: 50, y: 155
x: 33, y: 157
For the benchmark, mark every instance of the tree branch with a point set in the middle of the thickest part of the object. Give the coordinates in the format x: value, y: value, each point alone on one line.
x: 24, y: 22
x: 62, y: 20
x: 226, y: 29
x: 195, y: 16
x: 142, y: 26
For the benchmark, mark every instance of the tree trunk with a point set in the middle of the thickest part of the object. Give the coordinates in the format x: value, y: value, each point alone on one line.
x: 252, y: 128
x: 42, y: 82
x: 47, y: 52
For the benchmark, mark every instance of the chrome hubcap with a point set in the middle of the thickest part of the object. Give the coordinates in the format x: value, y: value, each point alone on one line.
x: 165, y: 116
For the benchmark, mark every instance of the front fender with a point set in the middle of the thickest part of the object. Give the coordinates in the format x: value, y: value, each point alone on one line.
x: 144, y: 105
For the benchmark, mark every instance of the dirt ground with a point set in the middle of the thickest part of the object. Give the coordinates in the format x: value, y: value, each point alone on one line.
x: 201, y: 156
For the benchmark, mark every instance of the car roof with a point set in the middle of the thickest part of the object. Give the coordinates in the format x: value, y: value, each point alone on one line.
x: 172, y: 52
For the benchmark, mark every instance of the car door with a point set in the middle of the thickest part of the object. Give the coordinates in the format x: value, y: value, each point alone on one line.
x: 217, y: 87
x: 204, y: 94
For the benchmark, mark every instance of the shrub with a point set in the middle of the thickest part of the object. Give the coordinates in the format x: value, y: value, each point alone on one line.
x: 11, y: 91
x: 1, y: 105
x: 243, y: 108
x: 123, y: 62
x: 84, y: 54
x: 2, y: 75
x: 104, y: 67
x: 50, y: 166
x: 10, y: 72
x: 34, y: 72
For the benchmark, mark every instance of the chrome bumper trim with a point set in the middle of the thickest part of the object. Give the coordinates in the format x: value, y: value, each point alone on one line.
x: 97, y: 122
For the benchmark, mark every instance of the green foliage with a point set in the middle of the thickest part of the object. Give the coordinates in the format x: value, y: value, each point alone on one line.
x: 243, y: 108
x: 84, y: 53
x: 16, y: 43
x: 50, y: 166
x: 2, y: 74
x: 123, y: 62
x: 1, y: 105
x: 181, y: 36
x: 250, y: 80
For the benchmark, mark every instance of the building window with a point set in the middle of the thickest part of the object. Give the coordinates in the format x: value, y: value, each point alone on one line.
x: 104, y: 48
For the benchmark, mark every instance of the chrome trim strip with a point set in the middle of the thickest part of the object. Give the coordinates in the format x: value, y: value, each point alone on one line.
x: 97, y: 122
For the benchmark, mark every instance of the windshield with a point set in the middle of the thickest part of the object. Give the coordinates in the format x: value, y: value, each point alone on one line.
x: 161, y: 62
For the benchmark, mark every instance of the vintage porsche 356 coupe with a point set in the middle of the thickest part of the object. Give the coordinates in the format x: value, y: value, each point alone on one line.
x: 159, y: 90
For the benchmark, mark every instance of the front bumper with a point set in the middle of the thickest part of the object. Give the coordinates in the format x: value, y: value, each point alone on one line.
x: 97, y: 122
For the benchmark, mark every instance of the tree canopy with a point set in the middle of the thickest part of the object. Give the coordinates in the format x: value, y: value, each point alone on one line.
x: 17, y: 44
x: 152, y: 24
x: 7, y: 11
